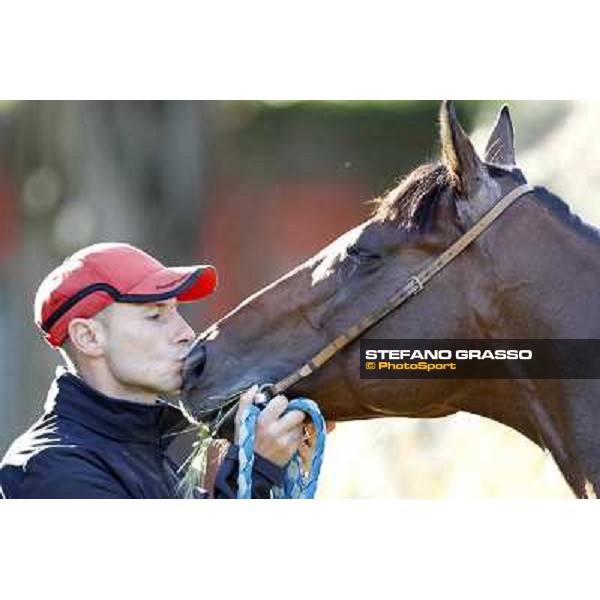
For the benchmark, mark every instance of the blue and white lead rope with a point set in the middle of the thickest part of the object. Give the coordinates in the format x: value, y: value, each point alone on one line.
x: 296, y: 485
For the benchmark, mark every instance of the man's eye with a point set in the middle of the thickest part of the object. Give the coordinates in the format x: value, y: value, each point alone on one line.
x: 154, y: 317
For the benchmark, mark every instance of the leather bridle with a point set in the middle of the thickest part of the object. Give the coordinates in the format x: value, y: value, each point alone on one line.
x: 413, y: 286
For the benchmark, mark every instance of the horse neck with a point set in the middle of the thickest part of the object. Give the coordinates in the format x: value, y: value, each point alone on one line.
x: 547, y: 277
x: 548, y: 272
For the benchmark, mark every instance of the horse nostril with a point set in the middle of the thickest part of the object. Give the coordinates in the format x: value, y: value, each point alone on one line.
x: 195, y: 362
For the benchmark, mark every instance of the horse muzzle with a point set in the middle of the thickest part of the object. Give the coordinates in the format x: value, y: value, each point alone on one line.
x: 193, y: 367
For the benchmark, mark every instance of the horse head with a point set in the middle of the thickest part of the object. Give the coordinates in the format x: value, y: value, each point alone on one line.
x: 503, y: 286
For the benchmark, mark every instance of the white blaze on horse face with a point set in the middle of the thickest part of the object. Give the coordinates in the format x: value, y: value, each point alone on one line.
x: 331, y: 255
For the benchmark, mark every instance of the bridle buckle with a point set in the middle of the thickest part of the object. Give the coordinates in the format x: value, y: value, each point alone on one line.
x: 417, y: 284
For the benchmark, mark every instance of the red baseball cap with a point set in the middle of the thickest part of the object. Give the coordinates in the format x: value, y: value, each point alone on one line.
x: 101, y: 274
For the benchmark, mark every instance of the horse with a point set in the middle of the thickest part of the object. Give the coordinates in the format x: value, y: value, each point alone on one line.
x: 531, y: 274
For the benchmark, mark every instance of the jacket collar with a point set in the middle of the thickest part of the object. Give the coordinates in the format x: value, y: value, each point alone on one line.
x: 72, y: 398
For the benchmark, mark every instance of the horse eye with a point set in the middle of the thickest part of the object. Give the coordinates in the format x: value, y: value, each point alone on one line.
x: 362, y: 254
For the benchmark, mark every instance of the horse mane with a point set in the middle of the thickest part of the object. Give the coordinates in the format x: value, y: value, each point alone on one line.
x: 562, y: 211
x: 412, y: 202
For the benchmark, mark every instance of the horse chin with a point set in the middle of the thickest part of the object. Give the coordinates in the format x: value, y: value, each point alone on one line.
x: 202, y: 406
x: 204, y: 400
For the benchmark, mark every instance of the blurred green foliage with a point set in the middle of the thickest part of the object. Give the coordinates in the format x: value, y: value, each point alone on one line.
x: 375, y: 140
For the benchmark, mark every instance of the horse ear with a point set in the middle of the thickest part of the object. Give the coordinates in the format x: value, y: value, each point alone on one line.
x: 500, y: 148
x: 466, y: 170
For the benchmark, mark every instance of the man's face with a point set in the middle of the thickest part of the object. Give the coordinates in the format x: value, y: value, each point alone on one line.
x: 145, y: 345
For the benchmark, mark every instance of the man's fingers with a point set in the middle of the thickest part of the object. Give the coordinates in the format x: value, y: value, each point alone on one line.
x: 291, y: 420
x: 275, y: 408
x: 247, y: 397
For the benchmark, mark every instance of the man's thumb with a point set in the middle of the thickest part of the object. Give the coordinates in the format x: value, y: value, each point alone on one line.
x: 247, y: 397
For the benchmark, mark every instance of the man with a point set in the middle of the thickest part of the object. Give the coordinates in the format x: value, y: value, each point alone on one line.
x: 111, y: 310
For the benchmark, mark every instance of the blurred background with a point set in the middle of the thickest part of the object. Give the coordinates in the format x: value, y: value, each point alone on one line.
x: 255, y: 188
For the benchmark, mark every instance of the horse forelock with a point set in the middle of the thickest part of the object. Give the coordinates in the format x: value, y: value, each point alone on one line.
x: 411, y: 203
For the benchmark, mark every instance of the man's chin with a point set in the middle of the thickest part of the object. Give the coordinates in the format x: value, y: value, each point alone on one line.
x: 174, y: 389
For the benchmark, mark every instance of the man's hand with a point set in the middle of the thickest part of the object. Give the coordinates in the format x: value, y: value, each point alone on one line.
x: 277, y: 436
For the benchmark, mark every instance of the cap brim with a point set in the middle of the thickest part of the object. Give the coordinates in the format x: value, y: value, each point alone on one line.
x: 184, y: 283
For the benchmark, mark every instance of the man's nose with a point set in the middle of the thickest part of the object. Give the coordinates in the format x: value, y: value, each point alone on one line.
x: 186, y: 334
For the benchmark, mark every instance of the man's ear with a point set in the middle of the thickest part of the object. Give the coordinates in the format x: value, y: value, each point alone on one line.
x: 88, y: 336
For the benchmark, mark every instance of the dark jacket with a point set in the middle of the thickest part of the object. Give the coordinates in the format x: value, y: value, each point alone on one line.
x: 88, y: 445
